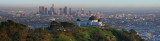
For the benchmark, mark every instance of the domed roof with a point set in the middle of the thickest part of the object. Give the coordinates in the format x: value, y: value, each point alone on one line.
x: 78, y: 20
x: 99, y: 20
x: 93, y: 18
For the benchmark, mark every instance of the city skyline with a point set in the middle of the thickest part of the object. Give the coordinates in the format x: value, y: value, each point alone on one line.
x: 80, y: 3
x: 79, y: 20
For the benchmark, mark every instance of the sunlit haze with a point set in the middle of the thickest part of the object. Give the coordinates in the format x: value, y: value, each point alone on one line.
x: 81, y: 3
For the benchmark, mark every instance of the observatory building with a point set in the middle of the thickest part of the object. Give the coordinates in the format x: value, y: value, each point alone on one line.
x: 93, y: 21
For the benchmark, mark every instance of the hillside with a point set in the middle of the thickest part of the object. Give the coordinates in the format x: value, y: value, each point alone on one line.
x: 63, y: 31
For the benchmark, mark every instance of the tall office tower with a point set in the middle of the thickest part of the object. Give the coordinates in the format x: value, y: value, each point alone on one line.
x: 65, y: 10
x: 70, y: 11
x: 58, y: 13
x: 50, y: 11
x: 90, y: 13
x: 41, y: 9
x: 55, y: 12
x: 83, y: 12
x: 46, y: 11
x: 53, y: 8
x: 78, y: 12
x: 61, y: 12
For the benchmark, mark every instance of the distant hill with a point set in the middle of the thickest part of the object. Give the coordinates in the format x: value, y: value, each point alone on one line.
x: 63, y: 31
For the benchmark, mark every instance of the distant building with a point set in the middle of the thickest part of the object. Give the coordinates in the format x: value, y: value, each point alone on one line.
x: 65, y: 10
x: 93, y: 21
x: 74, y: 13
x: 83, y: 12
x: 41, y: 9
x: 52, y: 10
x: 70, y: 11
x: 53, y: 6
x: 61, y: 12
x: 46, y: 11
x: 20, y: 13
x: 78, y: 12
x: 58, y: 12
x: 52, y: 19
x: 0, y: 16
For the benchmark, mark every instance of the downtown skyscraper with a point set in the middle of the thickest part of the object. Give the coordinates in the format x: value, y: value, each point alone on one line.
x: 65, y: 10
x: 52, y: 10
x: 61, y: 12
x: 70, y: 11
x: 78, y: 12
x: 83, y: 12
x: 43, y: 10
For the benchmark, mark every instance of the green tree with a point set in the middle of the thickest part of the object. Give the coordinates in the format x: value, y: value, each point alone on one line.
x: 63, y: 37
x: 132, y: 31
x: 54, y: 26
x: 67, y: 25
x: 124, y: 30
x: 13, y: 31
x: 41, y: 34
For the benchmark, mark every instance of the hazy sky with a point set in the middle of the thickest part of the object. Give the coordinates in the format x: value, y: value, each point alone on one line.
x: 81, y: 3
